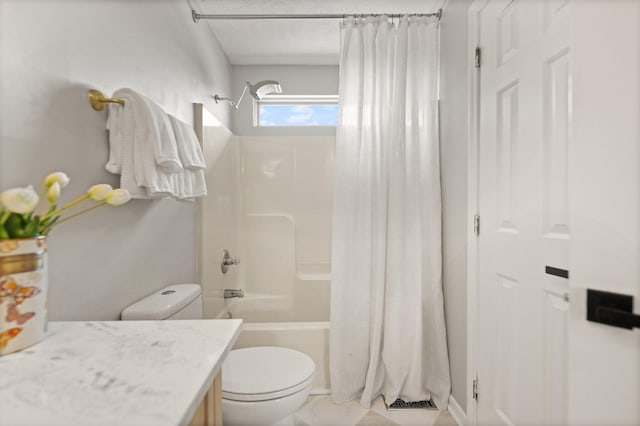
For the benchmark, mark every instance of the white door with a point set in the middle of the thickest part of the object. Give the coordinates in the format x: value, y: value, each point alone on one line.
x: 558, y: 194
x: 525, y: 231
x: 604, y: 362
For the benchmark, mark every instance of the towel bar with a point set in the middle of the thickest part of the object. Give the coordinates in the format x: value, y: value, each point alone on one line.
x: 98, y: 100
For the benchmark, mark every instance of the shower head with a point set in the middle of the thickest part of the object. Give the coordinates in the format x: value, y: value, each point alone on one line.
x: 264, y: 87
x: 258, y: 91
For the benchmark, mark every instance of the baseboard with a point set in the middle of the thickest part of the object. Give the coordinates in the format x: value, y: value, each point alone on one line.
x: 456, y: 412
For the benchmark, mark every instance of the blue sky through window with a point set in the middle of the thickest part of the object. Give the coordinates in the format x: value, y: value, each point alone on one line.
x: 298, y: 114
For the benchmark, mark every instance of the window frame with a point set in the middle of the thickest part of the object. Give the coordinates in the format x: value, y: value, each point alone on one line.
x: 293, y: 100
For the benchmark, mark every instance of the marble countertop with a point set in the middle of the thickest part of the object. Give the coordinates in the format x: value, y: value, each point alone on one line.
x: 114, y: 372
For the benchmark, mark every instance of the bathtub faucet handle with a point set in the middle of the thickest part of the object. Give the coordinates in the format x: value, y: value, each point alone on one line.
x: 232, y: 261
x: 227, y: 261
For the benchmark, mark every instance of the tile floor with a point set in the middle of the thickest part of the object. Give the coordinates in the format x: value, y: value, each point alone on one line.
x: 320, y: 411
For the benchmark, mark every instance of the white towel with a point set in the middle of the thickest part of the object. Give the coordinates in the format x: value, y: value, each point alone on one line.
x: 144, y: 151
x: 191, y: 185
x: 144, y: 143
x: 188, y: 145
x: 115, y: 125
x: 191, y: 182
x: 123, y: 141
x: 154, y: 131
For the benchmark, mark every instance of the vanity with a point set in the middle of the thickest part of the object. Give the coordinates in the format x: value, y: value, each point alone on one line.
x: 119, y: 373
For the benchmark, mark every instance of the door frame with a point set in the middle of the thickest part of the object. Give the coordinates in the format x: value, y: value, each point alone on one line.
x: 473, y: 137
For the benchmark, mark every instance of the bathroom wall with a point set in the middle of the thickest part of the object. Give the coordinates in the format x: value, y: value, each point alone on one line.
x: 51, y: 53
x: 295, y: 80
x: 453, y: 155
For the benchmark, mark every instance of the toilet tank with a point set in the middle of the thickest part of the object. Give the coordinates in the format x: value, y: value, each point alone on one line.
x: 178, y: 301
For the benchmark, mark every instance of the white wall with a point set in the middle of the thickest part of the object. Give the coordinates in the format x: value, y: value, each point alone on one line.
x: 295, y: 80
x: 453, y: 155
x: 51, y: 53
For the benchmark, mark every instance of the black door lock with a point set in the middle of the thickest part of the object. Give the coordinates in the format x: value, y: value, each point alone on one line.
x: 612, y: 309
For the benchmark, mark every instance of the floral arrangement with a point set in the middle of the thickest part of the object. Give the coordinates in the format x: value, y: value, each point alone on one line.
x: 17, y: 205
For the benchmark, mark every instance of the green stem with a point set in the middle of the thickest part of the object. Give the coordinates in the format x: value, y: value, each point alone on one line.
x: 47, y: 227
x: 82, y: 212
x: 5, y: 217
x: 66, y: 206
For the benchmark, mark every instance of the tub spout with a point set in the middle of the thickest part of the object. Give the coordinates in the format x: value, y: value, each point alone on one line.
x: 231, y: 293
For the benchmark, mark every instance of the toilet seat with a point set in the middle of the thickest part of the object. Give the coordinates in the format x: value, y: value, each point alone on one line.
x: 265, y: 373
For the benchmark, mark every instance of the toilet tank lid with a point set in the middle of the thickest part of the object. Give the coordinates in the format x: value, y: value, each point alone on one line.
x: 163, y: 303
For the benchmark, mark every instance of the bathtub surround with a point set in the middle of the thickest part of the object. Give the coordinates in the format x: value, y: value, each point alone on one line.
x: 270, y: 205
x: 51, y: 53
x: 219, y: 217
x: 286, y: 232
x: 387, y: 318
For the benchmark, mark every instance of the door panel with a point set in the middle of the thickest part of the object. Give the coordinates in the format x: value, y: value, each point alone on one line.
x: 523, y: 193
x: 554, y: 358
x: 556, y: 146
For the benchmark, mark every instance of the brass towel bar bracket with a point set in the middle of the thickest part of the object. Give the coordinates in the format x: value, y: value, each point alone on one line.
x: 98, y: 100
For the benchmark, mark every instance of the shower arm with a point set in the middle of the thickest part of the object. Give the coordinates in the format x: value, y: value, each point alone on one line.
x: 236, y: 104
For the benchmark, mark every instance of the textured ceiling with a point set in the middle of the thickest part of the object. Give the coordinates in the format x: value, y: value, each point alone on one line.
x: 293, y: 42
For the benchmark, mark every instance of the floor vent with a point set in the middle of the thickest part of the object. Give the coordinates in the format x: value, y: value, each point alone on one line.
x: 399, y: 404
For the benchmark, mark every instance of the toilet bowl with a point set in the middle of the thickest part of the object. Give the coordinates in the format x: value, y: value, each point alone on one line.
x: 264, y: 385
x: 260, y: 385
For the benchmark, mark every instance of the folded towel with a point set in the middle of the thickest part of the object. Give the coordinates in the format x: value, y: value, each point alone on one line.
x: 119, y: 134
x: 153, y: 129
x: 144, y: 151
x: 123, y: 127
x: 188, y: 145
x: 191, y: 185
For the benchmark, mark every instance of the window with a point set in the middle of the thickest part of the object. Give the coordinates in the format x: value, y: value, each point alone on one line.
x: 278, y: 110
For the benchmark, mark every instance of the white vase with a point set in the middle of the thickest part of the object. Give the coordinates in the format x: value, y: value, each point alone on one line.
x: 24, y: 283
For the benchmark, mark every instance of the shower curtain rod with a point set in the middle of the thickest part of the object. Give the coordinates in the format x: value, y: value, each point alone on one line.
x: 197, y: 16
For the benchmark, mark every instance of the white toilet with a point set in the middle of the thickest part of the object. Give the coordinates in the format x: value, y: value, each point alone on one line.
x: 178, y: 301
x: 264, y: 385
x: 260, y: 385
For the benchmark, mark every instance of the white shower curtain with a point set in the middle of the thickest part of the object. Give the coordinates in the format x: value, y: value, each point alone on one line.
x: 387, y: 317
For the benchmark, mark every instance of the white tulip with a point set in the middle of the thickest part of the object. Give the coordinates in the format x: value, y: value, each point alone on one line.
x: 60, y: 177
x: 99, y: 192
x: 54, y: 192
x: 19, y: 200
x: 117, y: 197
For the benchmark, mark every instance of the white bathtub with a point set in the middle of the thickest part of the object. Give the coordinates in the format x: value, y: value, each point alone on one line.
x: 312, y: 338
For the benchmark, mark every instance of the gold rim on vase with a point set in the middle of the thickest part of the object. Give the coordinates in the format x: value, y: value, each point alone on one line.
x: 18, y: 263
